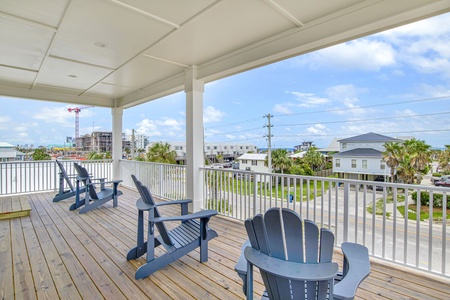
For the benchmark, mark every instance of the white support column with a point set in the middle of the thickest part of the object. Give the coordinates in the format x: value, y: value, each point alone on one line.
x: 194, y: 139
x: 117, y: 114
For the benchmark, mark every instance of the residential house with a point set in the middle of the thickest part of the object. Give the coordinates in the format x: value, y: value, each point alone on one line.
x: 9, y: 153
x: 360, y: 157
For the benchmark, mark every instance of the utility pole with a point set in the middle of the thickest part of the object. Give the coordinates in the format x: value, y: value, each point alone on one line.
x: 132, y: 143
x: 269, y: 142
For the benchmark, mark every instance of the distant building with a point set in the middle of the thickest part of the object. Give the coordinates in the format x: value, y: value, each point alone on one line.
x: 303, y: 147
x: 360, y: 157
x: 213, y: 151
x: 253, y: 162
x: 333, y: 147
x: 97, y: 141
x: 9, y: 153
x: 140, y: 141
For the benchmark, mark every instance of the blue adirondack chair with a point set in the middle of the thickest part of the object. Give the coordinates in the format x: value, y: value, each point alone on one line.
x: 294, y: 257
x: 193, y: 232
x: 91, y: 195
x: 62, y: 192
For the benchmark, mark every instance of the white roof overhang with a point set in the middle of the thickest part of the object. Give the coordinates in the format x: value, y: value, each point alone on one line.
x: 113, y: 53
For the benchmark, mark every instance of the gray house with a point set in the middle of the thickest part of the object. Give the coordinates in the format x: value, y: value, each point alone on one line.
x: 360, y: 157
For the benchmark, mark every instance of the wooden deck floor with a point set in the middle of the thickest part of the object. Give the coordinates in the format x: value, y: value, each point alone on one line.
x: 56, y: 253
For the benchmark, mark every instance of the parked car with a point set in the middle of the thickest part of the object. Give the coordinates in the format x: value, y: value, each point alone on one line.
x: 442, y: 178
x: 377, y: 187
x: 443, y: 183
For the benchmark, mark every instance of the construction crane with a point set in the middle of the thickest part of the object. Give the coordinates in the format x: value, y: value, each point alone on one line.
x: 77, y: 110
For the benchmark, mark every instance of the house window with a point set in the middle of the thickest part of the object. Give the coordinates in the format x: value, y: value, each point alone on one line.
x: 382, y: 165
x: 344, y: 146
x: 208, y: 147
x: 364, y: 164
x: 354, y: 163
x: 244, y: 161
x: 215, y: 147
x: 254, y: 162
x: 225, y: 147
x: 231, y: 147
x: 338, y: 162
x: 246, y: 147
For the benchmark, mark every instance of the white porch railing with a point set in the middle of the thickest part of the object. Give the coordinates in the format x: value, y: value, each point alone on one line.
x: 164, y: 180
x: 38, y: 176
x: 347, y: 207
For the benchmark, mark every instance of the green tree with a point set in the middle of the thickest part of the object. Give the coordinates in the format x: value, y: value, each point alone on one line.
x: 160, y: 152
x: 281, y: 162
x: 392, y: 155
x: 41, y: 154
x: 420, y: 157
x: 444, y: 160
x: 315, y: 160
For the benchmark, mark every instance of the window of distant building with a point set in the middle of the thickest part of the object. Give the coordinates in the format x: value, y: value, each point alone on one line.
x: 246, y: 147
x: 215, y: 147
x: 225, y: 147
x: 231, y: 147
x: 364, y: 163
x: 338, y: 162
x: 344, y: 146
x: 382, y: 165
x: 254, y: 162
x: 354, y: 163
x: 241, y: 147
x: 208, y: 147
x: 244, y: 161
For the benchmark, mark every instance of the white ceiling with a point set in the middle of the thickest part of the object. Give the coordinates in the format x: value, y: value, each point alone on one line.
x: 122, y: 53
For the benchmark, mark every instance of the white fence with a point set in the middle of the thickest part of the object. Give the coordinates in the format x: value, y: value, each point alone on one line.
x: 164, y: 180
x: 39, y: 176
x: 356, y: 211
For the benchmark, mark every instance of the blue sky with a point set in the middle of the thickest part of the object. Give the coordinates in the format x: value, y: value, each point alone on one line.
x: 395, y: 83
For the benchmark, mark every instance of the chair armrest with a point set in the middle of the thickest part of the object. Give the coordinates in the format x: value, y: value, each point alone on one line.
x: 103, y: 182
x: 241, y: 267
x: 98, y: 179
x: 289, y: 269
x: 198, y: 215
x: 357, y: 263
x: 141, y: 205
x: 183, y: 201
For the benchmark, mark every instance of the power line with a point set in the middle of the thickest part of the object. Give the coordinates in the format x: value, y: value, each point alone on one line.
x: 346, y: 134
x: 364, y: 120
x: 368, y: 106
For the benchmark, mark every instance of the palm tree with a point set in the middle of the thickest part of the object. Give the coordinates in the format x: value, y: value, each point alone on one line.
x: 161, y: 153
x: 280, y: 160
x: 444, y: 160
x: 392, y: 155
x: 315, y: 160
x: 420, y: 153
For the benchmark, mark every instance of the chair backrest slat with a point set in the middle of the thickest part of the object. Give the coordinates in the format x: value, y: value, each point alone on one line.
x: 282, y: 234
x: 82, y: 172
x: 64, y: 173
x: 147, y: 197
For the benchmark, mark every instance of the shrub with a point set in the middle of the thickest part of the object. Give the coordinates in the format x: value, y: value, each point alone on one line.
x: 425, y: 199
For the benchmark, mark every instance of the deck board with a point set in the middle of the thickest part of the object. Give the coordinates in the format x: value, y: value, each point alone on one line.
x: 57, y: 253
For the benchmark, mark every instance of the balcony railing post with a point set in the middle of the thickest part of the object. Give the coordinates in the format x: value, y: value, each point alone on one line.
x: 346, y: 210
x: 255, y: 194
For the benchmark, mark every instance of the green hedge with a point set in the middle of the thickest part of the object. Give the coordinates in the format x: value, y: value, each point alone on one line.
x: 425, y: 199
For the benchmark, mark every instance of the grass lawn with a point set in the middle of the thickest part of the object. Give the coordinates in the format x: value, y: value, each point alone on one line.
x: 424, y: 212
x: 246, y: 188
x: 379, y: 206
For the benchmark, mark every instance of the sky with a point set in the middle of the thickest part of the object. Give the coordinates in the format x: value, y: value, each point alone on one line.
x: 395, y: 83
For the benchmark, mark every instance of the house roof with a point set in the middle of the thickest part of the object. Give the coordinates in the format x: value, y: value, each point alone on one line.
x: 6, y: 145
x: 360, y: 152
x: 332, y: 147
x: 369, y: 137
x: 298, y: 154
x: 253, y: 156
x: 120, y: 53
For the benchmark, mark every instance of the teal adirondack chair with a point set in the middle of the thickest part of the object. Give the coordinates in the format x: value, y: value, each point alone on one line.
x: 94, y: 199
x: 64, y: 177
x: 294, y: 257
x: 193, y: 232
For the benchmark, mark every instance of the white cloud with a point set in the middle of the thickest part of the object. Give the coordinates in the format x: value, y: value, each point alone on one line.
x: 60, y: 115
x: 309, y: 100
x: 211, y: 114
x: 362, y: 54
x: 282, y: 109
x: 5, y: 119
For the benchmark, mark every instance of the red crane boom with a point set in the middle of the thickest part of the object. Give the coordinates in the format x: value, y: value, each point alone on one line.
x: 77, y: 110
